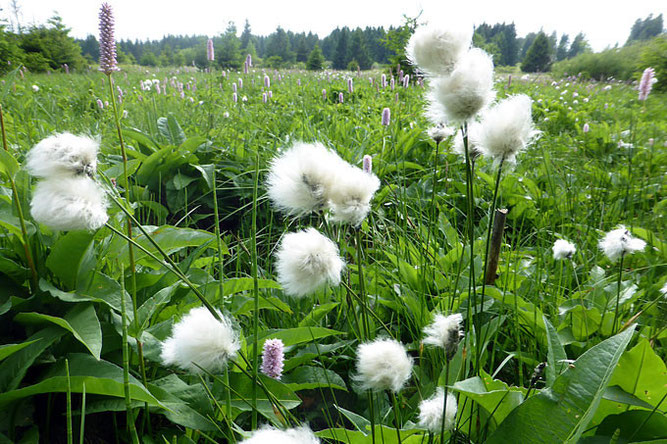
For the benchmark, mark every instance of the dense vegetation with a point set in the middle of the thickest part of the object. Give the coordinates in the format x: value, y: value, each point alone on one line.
x: 192, y: 151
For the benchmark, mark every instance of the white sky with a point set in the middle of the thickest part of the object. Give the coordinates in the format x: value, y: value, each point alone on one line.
x: 605, y: 22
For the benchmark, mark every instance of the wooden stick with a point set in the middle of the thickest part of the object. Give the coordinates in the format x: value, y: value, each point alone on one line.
x: 496, y: 241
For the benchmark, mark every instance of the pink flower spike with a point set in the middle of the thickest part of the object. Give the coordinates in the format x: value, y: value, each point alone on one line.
x: 273, y: 356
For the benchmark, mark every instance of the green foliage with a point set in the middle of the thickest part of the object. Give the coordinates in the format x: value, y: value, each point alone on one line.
x: 396, y: 40
x: 619, y: 63
x: 646, y: 29
x: 228, y: 50
x: 654, y: 55
x: 568, y: 184
x: 538, y: 57
x: 315, y: 59
x: 50, y: 47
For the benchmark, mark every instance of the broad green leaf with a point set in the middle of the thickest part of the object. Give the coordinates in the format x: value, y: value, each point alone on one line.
x: 494, y: 395
x: 67, y: 254
x: 8, y: 164
x: 556, y: 356
x: 292, y: 336
x: 170, y: 129
x: 237, y: 285
x: 9, y: 349
x: 318, y: 313
x: 362, y: 424
x: 81, y: 321
x: 635, y: 425
x: 383, y: 434
x: 101, y: 288
x: 188, y: 404
x: 560, y: 414
x: 616, y: 394
x: 208, y: 173
x: 170, y: 239
x: 13, y: 369
x: 308, y: 377
x: 640, y: 373
x: 99, y: 377
x: 243, y: 388
x: 141, y: 138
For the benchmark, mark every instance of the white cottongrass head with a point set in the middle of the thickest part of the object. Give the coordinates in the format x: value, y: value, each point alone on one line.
x: 445, y: 332
x: 439, y: 132
x: 435, y: 50
x: 270, y: 435
x: 350, y: 197
x: 306, y: 261
x: 619, y: 242
x: 563, y: 249
x: 200, y: 340
x: 63, y: 155
x: 383, y: 364
x: 300, y: 178
x: 430, y: 411
x: 507, y: 128
x: 468, y: 89
x: 69, y: 203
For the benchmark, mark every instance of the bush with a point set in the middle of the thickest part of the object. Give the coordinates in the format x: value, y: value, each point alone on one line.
x: 655, y: 56
x: 619, y: 63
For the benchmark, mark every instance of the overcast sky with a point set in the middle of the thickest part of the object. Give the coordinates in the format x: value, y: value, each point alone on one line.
x: 604, y: 22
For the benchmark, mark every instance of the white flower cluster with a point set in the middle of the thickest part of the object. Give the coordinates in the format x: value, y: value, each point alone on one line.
x: 462, y: 88
x: 67, y: 196
x: 200, y: 341
x: 383, y: 364
x: 618, y: 242
x: 445, y: 332
x: 430, y: 411
x: 266, y: 435
x: 307, y: 260
x: 563, y: 249
x: 310, y: 177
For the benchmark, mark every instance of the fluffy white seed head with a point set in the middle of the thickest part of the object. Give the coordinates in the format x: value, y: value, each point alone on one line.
x: 383, y: 364
x: 63, y: 155
x: 507, y: 128
x: 198, y: 338
x: 445, y: 332
x: 435, y: 50
x: 469, y: 88
x: 69, y: 203
x: 563, y: 249
x: 618, y: 242
x: 269, y: 435
x: 306, y: 261
x: 299, y: 179
x: 439, y: 132
x: 430, y: 411
x: 350, y: 197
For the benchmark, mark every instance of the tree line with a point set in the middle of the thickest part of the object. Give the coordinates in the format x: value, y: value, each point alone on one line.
x: 50, y: 47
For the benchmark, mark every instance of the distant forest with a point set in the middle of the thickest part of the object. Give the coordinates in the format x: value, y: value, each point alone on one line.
x: 50, y: 47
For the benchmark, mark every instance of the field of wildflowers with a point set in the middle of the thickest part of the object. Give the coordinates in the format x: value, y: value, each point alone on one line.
x: 287, y: 257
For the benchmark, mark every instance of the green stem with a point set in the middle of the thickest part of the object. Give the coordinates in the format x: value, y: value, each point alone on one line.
x: 486, y: 255
x: 397, y: 416
x: 432, y: 217
x: 126, y: 369
x: 371, y: 408
x: 362, y: 286
x: 70, y: 438
x: 82, y: 427
x: 618, y: 293
x: 472, y: 293
x: 19, y: 211
x: 133, y: 268
x: 444, y: 406
x: 167, y: 258
x: 255, y: 326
